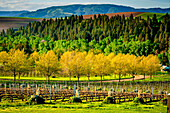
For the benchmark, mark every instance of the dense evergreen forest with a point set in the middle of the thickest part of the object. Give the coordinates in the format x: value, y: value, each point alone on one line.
x: 101, y: 34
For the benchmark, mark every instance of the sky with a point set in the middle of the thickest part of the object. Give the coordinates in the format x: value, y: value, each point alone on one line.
x: 32, y: 5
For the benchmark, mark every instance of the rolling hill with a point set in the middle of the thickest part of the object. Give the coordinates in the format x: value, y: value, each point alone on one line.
x: 12, y: 13
x: 15, y: 22
x: 62, y: 11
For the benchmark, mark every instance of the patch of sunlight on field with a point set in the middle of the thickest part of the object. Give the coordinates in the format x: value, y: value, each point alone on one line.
x: 82, y: 78
x: 145, y: 15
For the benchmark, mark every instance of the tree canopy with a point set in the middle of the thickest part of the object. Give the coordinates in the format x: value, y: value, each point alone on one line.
x: 117, y: 34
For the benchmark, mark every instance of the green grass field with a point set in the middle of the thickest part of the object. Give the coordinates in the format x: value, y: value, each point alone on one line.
x: 83, y: 78
x: 91, y: 107
x: 144, y: 15
x: 158, y: 77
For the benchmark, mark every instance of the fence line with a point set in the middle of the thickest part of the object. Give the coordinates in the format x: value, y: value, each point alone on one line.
x: 88, y: 93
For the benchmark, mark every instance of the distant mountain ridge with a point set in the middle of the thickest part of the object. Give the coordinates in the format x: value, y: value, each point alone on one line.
x: 79, y: 9
x: 12, y: 13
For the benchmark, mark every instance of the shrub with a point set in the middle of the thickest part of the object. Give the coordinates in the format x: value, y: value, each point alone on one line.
x: 108, y: 100
x: 75, y: 100
x: 138, y: 100
x: 36, y: 99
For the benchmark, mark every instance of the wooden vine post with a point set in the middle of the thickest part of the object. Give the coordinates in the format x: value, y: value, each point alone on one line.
x: 139, y: 92
x: 168, y: 103
x: 109, y: 93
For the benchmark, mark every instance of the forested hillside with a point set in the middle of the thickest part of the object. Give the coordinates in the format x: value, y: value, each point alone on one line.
x: 101, y: 34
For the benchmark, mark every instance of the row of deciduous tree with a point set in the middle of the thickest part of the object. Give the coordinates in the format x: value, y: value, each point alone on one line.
x: 73, y: 63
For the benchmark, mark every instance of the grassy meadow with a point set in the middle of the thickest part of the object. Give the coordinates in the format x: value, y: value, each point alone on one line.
x: 82, y: 78
x: 91, y: 107
x: 160, y: 76
x: 146, y: 14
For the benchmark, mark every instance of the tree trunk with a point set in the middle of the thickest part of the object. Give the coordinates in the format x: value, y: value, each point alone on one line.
x: 34, y: 72
x: 23, y: 74
x: 19, y: 75
x: 31, y: 73
x: 103, y: 77
x: 14, y: 76
x: 150, y: 76
x: 48, y: 79
x: 101, y: 81
x: 78, y: 82
x: 88, y: 77
x: 119, y: 77
x: 69, y: 77
x: 144, y: 75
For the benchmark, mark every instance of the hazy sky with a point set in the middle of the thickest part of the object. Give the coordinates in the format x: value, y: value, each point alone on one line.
x: 33, y: 5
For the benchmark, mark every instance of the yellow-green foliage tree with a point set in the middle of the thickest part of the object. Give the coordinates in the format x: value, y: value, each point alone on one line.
x: 78, y: 65
x: 132, y: 63
x: 16, y: 62
x: 3, y: 60
x: 141, y: 67
x: 89, y: 60
x: 3, y: 57
x: 152, y: 65
x: 110, y: 57
x: 119, y: 64
x: 66, y: 61
x: 33, y: 57
x: 101, y: 65
x: 58, y: 52
x: 95, y: 51
x: 48, y: 64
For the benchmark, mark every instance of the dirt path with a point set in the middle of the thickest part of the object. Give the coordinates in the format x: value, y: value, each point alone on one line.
x: 138, y: 77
